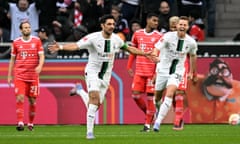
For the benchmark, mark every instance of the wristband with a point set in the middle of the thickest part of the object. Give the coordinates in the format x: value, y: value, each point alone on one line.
x: 60, y: 47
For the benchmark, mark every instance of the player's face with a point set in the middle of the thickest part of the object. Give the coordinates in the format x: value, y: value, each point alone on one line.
x: 152, y: 22
x: 108, y: 26
x: 26, y: 29
x: 182, y: 27
x: 219, y: 81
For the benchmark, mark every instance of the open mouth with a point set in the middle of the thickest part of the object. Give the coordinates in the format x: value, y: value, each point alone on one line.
x: 218, y: 89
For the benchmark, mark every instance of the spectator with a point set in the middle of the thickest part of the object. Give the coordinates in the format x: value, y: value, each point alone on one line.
x: 197, y: 26
x: 94, y: 10
x: 148, y: 6
x: 22, y: 11
x: 47, y: 13
x: 130, y: 9
x: 77, y: 34
x: 135, y: 25
x: 76, y: 15
x: 209, y: 9
x: 43, y: 34
x: 173, y: 23
x: 4, y: 20
x: 5, y: 37
x: 121, y: 27
x: 164, y: 15
x: 185, y: 6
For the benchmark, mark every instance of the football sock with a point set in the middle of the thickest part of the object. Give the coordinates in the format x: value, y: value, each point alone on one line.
x: 20, y: 111
x: 84, y: 95
x: 178, y: 109
x: 91, y: 113
x: 164, y: 108
x: 150, y: 110
x: 140, y: 102
x: 32, y: 112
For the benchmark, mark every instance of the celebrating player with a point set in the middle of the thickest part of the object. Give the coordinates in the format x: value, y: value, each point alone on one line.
x: 102, y: 47
x: 174, y: 47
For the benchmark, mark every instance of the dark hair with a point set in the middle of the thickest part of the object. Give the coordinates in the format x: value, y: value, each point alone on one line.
x: 23, y: 22
x: 149, y: 15
x: 104, y: 18
x: 135, y: 21
x: 183, y: 18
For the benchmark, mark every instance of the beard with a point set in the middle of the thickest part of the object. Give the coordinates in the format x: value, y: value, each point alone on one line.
x: 212, y: 80
x: 26, y: 34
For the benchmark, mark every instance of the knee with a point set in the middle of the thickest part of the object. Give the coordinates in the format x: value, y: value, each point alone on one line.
x: 20, y: 98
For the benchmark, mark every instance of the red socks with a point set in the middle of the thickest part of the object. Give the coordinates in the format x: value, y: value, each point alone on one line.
x: 20, y: 111
x: 32, y: 110
x: 178, y: 109
x: 150, y: 110
x: 140, y: 102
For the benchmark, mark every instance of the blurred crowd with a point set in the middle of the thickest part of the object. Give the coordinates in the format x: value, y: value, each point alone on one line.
x: 69, y: 20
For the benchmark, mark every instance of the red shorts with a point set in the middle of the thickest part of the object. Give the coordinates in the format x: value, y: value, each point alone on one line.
x: 143, y: 84
x: 30, y: 89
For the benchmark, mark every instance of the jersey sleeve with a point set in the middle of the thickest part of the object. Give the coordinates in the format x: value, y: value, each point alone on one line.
x: 121, y: 43
x: 161, y: 43
x: 13, y: 50
x: 194, y: 48
x: 130, y: 61
x: 40, y: 47
x: 85, y: 42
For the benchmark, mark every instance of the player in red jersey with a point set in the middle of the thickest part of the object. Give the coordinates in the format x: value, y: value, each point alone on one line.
x: 27, y: 58
x: 144, y: 39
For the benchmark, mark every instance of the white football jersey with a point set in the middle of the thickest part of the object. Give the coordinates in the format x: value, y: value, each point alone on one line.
x: 101, y: 53
x: 173, y: 53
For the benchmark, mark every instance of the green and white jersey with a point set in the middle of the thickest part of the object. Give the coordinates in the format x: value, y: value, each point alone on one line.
x: 101, y: 53
x: 173, y: 53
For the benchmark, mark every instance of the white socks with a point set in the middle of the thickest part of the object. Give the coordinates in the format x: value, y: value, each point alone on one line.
x: 164, y: 108
x: 84, y: 95
x: 91, y: 113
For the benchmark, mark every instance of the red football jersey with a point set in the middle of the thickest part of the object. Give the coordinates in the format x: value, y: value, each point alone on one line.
x: 27, y: 58
x: 145, y: 42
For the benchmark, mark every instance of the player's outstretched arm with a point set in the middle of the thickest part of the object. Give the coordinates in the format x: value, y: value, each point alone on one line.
x: 68, y: 47
x: 150, y: 55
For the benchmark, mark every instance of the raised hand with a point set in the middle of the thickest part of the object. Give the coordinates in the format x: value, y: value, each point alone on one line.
x: 53, y: 47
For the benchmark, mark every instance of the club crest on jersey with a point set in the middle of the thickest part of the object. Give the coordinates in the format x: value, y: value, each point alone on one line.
x: 153, y: 39
x: 33, y: 45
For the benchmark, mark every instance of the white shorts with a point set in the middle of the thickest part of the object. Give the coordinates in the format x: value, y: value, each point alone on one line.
x: 94, y: 83
x: 163, y: 81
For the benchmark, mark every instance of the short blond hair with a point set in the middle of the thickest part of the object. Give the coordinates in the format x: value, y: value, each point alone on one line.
x: 173, y: 19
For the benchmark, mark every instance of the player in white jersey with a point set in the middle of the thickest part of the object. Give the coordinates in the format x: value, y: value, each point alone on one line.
x: 102, y: 47
x: 174, y: 48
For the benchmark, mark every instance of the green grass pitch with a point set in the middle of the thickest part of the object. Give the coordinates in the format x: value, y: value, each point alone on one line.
x: 122, y: 134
